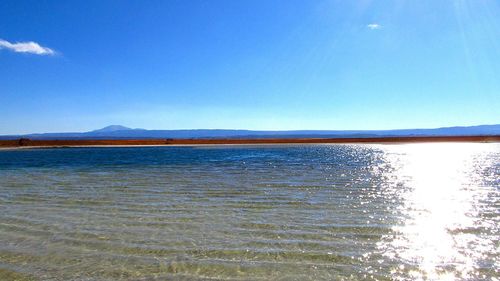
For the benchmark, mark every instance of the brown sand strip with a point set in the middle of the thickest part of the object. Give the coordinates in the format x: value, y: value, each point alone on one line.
x: 157, y: 142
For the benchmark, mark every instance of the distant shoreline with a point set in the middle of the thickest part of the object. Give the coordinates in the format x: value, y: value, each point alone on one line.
x: 28, y: 143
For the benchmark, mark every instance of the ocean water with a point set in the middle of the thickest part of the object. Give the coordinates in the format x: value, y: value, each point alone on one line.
x: 301, y: 212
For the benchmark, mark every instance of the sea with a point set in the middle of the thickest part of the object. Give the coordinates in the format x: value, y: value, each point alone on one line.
x: 426, y: 211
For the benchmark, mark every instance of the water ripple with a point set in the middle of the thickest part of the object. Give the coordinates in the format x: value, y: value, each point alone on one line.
x: 303, y: 212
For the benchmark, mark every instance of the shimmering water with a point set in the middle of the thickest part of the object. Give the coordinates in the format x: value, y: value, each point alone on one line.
x: 305, y: 212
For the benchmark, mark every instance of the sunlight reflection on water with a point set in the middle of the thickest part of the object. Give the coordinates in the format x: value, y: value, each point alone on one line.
x: 441, y: 207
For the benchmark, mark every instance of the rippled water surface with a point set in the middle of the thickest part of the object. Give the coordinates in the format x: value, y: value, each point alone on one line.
x: 305, y: 212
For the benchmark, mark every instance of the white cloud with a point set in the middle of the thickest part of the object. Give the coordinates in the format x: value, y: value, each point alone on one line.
x: 26, y: 47
x: 373, y: 26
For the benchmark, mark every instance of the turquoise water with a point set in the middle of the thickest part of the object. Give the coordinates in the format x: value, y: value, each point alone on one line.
x: 303, y: 212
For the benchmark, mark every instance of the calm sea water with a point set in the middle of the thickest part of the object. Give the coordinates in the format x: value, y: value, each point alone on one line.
x: 305, y: 212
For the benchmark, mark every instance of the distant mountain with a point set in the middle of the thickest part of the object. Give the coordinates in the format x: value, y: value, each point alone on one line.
x: 122, y: 132
x: 111, y: 128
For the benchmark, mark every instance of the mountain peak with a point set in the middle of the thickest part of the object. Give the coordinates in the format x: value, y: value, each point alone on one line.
x: 112, y: 128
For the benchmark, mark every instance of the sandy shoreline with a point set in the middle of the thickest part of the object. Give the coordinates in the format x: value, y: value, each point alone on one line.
x: 26, y: 143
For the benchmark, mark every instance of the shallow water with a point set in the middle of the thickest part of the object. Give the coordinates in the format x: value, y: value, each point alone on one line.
x: 303, y: 212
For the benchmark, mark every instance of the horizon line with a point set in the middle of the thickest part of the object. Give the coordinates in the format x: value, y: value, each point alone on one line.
x: 251, y: 130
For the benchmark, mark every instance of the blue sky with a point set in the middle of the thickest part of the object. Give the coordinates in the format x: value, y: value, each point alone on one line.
x: 248, y: 64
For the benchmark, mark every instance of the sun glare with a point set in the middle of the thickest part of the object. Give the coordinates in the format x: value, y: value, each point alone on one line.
x: 438, y: 205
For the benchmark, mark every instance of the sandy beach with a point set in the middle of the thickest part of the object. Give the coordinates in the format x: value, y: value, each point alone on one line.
x: 27, y: 143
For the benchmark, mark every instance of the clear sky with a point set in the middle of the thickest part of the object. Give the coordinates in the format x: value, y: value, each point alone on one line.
x: 82, y: 65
